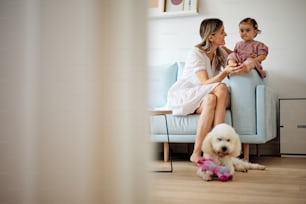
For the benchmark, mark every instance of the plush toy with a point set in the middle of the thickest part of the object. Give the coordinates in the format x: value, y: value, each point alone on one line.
x: 208, y: 168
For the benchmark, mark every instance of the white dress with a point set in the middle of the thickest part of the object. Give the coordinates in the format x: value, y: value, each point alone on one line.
x: 187, y: 93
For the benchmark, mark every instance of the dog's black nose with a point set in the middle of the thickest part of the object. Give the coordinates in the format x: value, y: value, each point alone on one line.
x: 224, y: 149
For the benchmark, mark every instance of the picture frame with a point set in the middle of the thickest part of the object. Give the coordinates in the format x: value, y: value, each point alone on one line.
x: 191, y: 5
x: 156, y: 7
x: 172, y: 8
x: 174, y: 5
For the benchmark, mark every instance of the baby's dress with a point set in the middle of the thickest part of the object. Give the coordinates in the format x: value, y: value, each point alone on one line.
x: 187, y: 93
x: 243, y: 53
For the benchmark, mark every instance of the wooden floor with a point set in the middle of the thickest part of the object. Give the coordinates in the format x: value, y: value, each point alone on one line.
x: 284, y: 181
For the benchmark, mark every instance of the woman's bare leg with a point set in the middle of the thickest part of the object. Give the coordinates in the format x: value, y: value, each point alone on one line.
x: 207, y: 113
x: 212, y: 112
x: 221, y: 92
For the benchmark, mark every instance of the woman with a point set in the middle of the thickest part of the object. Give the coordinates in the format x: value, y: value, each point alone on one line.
x: 200, y: 90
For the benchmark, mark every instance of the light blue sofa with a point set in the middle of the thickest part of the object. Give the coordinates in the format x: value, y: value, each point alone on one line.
x: 252, y: 114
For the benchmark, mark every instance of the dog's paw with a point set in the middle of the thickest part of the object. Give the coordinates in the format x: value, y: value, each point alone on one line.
x: 258, y: 167
x: 255, y: 166
x: 199, y: 172
x: 206, y: 177
x: 241, y: 169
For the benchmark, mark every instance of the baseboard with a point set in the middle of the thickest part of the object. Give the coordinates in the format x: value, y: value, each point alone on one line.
x: 294, y: 155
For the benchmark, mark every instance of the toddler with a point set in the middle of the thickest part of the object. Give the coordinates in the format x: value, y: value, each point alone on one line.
x: 249, y: 52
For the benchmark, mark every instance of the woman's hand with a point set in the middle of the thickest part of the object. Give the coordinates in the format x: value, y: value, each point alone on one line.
x: 230, y: 70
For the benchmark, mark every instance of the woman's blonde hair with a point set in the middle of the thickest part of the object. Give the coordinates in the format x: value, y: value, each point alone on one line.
x: 210, y: 26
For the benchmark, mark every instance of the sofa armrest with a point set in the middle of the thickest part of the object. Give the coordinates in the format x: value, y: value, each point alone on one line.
x: 243, y: 102
x: 266, y: 113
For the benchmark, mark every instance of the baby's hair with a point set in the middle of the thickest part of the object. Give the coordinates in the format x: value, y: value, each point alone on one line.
x: 252, y: 22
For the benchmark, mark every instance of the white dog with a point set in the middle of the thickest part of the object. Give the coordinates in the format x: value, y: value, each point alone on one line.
x: 223, y: 145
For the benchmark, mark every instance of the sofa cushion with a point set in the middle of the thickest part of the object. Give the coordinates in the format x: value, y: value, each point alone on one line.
x: 178, y: 125
x: 161, y: 79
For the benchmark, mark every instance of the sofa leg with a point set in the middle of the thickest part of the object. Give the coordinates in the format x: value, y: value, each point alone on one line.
x: 166, y: 151
x: 258, y: 149
x: 246, y: 151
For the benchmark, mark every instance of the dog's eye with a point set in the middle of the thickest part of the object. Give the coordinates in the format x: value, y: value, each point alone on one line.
x: 219, y: 139
x: 228, y: 140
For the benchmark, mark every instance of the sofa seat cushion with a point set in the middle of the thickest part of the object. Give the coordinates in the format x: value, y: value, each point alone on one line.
x: 179, y: 125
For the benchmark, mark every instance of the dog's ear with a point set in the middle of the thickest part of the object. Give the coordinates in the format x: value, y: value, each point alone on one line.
x: 237, y: 142
x: 207, y: 144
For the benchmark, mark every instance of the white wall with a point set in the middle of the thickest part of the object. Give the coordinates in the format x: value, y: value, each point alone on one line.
x: 283, y: 29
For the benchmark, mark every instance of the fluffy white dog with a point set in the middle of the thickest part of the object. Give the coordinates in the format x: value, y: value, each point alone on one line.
x: 223, y: 145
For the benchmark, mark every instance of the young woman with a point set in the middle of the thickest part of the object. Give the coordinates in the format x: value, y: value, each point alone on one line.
x: 200, y: 89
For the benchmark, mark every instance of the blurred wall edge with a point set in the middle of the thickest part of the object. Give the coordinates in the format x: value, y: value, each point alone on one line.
x: 73, y: 122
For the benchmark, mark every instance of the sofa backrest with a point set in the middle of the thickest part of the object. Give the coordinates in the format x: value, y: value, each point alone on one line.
x: 161, y: 79
x: 180, y: 69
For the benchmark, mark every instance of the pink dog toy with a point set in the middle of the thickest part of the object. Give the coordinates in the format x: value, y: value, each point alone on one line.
x: 222, y: 172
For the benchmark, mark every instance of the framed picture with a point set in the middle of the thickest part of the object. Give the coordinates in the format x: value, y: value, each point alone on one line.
x: 156, y: 7
x: 191, y: 5
x: 174, y: 5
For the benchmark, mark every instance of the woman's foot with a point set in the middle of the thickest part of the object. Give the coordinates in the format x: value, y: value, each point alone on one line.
x: 195, y: 158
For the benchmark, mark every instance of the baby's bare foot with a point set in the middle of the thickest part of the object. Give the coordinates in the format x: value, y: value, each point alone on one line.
x: 232, y: 64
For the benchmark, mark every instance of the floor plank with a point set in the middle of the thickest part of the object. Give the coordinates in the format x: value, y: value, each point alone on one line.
x: 284, y: 181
